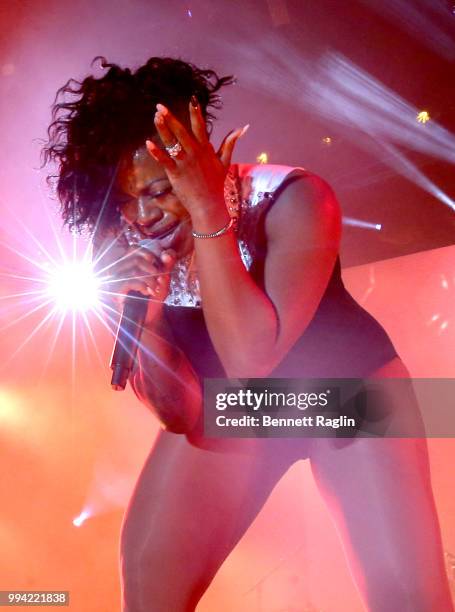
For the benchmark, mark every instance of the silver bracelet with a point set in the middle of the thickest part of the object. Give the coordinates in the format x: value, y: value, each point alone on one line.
x: 220, y: 232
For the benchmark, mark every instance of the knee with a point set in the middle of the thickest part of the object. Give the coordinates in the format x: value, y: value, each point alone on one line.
x: 157, y: 574
x: 142, y: 581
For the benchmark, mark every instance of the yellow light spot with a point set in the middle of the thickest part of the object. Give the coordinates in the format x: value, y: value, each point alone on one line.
x: 327, y: 141
x: 262, y: 158
x: 423, y: 116
x: 11, y: 409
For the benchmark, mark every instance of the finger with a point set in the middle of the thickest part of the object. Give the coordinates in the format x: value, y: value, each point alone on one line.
x: 138, y: 263
x: 223, y: 143
x: 159, y: 292
x: 163, y: 280
x: 132, y: 275
x: 198, y: 125
x: 120, y: 291
x: 160, y: 156
x: 227, y: 146
x: 162, y: 283
x: 168, y: 259
x: 178, y: 131
x: 139, y: 250
x: 146, y: 254
x: 165, y: 134
x: 145, y: 270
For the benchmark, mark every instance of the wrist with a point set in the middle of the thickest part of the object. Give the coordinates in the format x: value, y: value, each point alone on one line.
x: 209, y: 219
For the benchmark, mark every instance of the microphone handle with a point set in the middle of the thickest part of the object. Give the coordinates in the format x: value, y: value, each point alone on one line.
x: 128, y: 336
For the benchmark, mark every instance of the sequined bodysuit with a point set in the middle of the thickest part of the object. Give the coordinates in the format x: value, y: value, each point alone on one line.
x: 342, y: 340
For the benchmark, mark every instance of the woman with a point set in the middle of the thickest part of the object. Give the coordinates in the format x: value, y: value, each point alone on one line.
x: 243, y: 277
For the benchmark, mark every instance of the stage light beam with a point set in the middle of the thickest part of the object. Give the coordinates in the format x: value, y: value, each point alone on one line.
x: 361, y: 223
x: 79, y: 520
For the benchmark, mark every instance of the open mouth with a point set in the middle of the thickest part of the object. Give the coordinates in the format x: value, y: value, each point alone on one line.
x: 157, y: 235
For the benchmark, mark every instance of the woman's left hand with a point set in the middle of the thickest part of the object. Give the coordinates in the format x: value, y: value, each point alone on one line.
x: 197, y: 173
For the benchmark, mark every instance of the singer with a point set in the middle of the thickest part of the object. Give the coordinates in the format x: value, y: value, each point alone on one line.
x: 240, y: 265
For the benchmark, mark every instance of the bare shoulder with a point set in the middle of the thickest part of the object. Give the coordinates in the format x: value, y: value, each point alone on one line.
x: 305, y: 205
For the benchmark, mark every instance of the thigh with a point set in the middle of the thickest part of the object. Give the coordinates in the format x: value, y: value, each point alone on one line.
x: 189, y: 509
x: 379, y: 494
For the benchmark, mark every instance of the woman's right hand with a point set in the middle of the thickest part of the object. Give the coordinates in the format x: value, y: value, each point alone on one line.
x: 137, y: 269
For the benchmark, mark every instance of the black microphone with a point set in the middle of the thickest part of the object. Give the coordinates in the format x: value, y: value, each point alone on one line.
x: 128, y: 336
x: 129, y: 330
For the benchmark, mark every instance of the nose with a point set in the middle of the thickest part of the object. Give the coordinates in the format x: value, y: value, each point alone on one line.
x: 147, y: 212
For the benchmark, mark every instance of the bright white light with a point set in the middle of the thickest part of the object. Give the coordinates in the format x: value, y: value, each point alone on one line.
x: 360, y: 223
x: 74, y: 286
x: 443, y: 326
x: 77, y: 522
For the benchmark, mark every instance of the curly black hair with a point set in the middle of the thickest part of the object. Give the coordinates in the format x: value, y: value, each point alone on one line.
x: 108, y: 117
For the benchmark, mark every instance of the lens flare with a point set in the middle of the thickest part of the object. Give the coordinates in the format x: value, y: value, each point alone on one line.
x: 74, y: 286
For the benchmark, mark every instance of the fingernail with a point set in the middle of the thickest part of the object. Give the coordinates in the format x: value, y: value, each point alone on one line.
x: 162, y: 108
x: 151, y: 148
x: 194, y: 102
x: 244, y: 130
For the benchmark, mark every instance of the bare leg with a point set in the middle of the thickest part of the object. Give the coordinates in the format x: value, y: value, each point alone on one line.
x: 379, y: 494
x: 189, y: 509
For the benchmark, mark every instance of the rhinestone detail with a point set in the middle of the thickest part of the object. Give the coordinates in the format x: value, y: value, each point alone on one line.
x: 184, y: 287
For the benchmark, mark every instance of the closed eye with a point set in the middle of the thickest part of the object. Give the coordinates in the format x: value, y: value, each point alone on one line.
x: 159, y: 194
x: 123, y: 199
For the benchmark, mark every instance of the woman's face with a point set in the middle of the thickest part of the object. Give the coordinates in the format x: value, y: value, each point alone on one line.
x: 150, y: 206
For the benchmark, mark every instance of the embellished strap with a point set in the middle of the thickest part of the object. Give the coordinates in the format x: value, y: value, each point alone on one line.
x: 232, y: 194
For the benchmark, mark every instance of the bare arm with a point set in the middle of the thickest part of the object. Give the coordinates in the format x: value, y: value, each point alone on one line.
x: 163, y: 378
x: 252, y: 331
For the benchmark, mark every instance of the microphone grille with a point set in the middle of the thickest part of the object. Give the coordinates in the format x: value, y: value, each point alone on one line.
x: 151, y: 245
